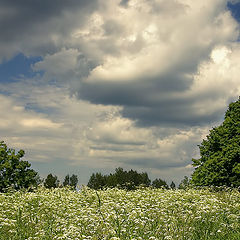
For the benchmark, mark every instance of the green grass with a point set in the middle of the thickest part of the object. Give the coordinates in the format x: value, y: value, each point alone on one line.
x: 119, y: 214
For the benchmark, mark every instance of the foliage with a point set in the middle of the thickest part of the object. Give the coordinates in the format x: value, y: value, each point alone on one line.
x: 159, y: 183
x: 184, y: 183
x: 97, y: 181
x: 73, y: 181
x: 70, y: 181
x: 220, y: 153
x: 14, y: 172
x: 51, y: 181
x: 122, y: 179
x: 172, y: 185
x: 66, y: 181
x: 116, y: 214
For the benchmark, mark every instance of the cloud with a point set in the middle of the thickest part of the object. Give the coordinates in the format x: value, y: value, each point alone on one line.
x: 118, y: 141
x: 117, y: 132
x: 134, y: 83
x: 152, y: 66
x: 66, y: 67
x: 39, y: 27
x: 17, y: 120
x: 58, y: 133
x: 35, y: 122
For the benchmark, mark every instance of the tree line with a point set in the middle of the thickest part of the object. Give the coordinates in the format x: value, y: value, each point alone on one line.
x: 128, y: 180
x: 218, y: 165
x: 15, y: 173
x: 52, y: 181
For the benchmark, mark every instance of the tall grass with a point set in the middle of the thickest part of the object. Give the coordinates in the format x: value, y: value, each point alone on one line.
x: 118, y: 214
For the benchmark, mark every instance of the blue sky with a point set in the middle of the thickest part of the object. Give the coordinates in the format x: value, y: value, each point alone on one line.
x: 91, y: 86
x: 235, y: 9
x: 17, y: 67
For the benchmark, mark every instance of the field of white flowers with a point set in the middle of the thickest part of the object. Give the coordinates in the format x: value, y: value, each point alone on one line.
x: 118, y: 214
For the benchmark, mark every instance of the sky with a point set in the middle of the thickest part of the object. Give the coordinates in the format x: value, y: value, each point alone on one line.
x: 89, y: 86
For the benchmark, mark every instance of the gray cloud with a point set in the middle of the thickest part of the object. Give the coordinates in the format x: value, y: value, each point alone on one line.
x: 177, y: 115
x: 157, y: 84
x: 124, y: 2
x: 37, y: 27
x: 157, y: 163
x: 153, y: 102
x: 143, y: 74
x: 139, y: 57
x: 140, y: 92
x: 148, y: 67
x: 76, y: 135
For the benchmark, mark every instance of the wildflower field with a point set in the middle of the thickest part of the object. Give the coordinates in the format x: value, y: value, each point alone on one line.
x: 118, y: 214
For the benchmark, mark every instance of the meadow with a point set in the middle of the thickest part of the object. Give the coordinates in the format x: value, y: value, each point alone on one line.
x: 113, y: 214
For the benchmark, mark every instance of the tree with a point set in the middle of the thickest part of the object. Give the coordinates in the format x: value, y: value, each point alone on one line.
x: 97, y: 181
x: 219, y: 163
x: 73, y: 181
x: 145, y: 181
x: 66, y: 181
x: 184, y: 183
x: 172, y: 185
x: 51, y: 181
x: 159, y: 183
x: 130, y: 179
x: 121, y: 179
x: 15, y: 172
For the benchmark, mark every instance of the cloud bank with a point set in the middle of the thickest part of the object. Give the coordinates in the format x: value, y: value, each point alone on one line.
x: 153, y: 67
x: 131, y: 83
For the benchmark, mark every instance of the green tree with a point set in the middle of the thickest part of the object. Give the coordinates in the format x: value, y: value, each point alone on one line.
x: 172, y: 185
x: 73, y: 181
x: 51, y: 181
x: 219, y: 163
x: 159, y: 183
x: 184, y: 183
x: 66, y: 181
x: 97, y: 181
x: 121, y: 179
x: 145, y: 181
x: 130, y: 179
x: 15, y: 172
x: 111, y: 180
